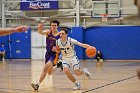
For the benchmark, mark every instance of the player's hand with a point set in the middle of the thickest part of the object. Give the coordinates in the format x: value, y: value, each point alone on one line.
x: 40, y: 26
x: 56, y: 49
x: 91, y: 46
x: 22, y: 28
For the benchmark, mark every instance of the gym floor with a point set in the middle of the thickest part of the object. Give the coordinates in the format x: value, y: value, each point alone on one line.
x: 119, y: 77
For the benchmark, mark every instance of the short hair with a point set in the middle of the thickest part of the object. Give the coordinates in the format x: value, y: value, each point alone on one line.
x: 64, y: 29
x: 55, y: 21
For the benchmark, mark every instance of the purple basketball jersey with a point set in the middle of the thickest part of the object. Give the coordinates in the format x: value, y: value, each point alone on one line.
x: 50, y: 42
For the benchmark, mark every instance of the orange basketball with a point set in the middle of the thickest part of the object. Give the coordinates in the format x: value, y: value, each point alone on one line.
x: 91, y: 52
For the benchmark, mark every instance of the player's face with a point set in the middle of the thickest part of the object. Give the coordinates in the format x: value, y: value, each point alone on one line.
x: 54, y: 26
x: 63, y: 35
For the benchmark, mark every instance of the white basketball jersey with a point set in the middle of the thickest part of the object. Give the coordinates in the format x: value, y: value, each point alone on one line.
x: 67, y: 48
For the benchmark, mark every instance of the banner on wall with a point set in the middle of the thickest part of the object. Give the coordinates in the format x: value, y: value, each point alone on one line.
x: 38, y: 4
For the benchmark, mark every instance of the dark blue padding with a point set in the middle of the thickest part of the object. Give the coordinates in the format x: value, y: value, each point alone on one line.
x: 77, y: 33
x: 115, y: 42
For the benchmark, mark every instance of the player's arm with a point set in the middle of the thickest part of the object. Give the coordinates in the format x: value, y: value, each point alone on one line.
x: 41, y: 31
x: 7, y: 31
x: 73, y: 41
x: 83, y: 45
x: 56, y: 49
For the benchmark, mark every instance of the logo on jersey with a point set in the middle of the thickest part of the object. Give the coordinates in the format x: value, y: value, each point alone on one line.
x: 65, y: 49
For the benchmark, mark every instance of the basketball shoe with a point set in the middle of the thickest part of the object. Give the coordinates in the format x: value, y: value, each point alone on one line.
x: 77, y: 86
x: 35, y: 86
x: 86, y: 72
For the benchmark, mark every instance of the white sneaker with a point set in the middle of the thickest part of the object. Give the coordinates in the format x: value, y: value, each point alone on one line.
x: 86, y: 72
x: 77, y: 86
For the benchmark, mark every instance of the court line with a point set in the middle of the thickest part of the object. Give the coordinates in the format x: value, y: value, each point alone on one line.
x: 16, y: 89
x: 109, y: 84
x: 5, y: 92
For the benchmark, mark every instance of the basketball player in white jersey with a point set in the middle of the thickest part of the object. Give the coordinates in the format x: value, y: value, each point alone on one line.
x: 69, y: 58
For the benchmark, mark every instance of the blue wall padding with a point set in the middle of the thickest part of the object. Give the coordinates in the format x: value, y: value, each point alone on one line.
x: 77, y: 33
x: 115, y: 42
x: 24, y: 45
x: 18, y: 45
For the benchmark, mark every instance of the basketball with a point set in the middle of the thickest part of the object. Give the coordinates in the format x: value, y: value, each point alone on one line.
x: 91, y: 52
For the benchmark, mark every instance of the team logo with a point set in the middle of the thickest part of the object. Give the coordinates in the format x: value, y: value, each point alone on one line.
x: 39, y: 5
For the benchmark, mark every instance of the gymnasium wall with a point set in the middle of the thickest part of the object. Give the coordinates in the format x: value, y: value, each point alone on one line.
x: 115, y: 42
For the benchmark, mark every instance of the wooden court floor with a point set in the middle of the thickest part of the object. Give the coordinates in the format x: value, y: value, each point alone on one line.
x: 113, y: 77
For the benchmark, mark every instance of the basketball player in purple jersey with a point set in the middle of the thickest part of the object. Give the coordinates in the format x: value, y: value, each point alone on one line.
x: 51, y: 36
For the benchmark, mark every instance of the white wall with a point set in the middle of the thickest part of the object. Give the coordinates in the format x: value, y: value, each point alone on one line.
x: 37, y: 44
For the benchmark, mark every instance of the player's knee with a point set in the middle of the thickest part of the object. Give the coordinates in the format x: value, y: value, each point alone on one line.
x: 45, y: 69
x: 50, y: 70
x: 65, y: 70
x: 76, y: 71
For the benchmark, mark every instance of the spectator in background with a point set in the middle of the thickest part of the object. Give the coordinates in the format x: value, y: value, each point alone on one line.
x: 2, y: 52
x: 99, y: 56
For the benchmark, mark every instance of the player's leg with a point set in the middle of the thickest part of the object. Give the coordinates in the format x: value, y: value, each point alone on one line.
x: 77, y: 69
x: 45, y: 70
x: 42, y: 76
x: 52, y: 68
x: 3, y: 56
x: 57, y: 64
x: 66, y: 70
x: 98, y: 59
x: 0, y: 56
x: 48, y: 64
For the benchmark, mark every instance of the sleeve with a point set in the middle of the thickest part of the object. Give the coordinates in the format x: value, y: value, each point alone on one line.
x: 73, y: 41
x: 2, y: 49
